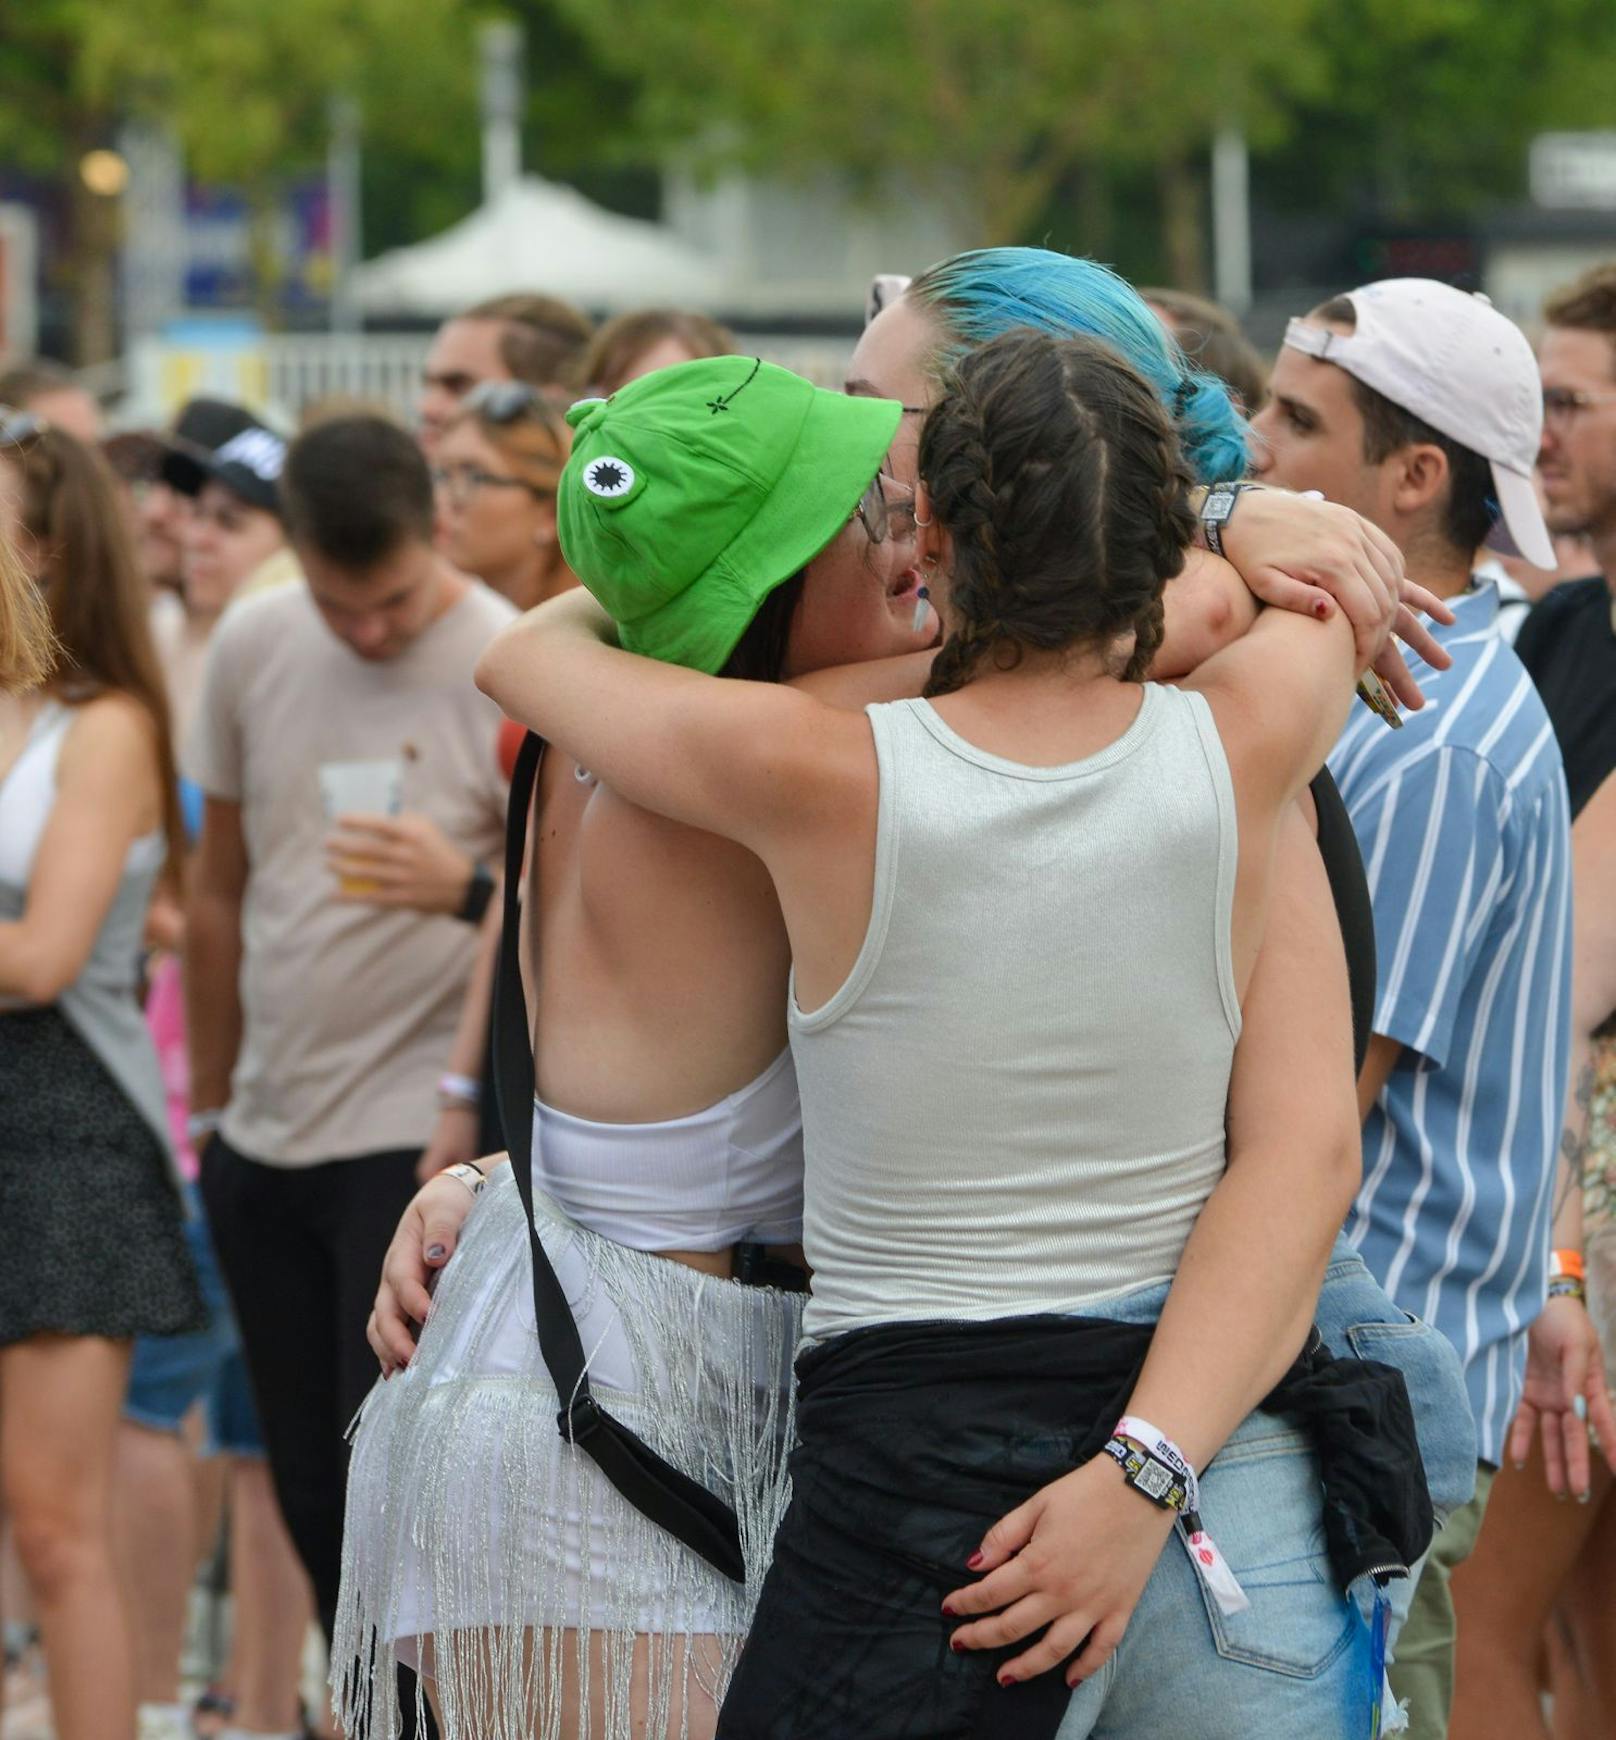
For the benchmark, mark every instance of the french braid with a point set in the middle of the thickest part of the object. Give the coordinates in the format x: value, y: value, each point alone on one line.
x: 1056, y: 472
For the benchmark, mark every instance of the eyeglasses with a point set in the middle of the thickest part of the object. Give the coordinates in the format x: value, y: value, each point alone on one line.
x: 1563, y: 405
x: 461, y: 482
x: 886, y: 516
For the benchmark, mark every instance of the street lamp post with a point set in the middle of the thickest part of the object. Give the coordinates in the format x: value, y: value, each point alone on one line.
x: 500, y: 45
x: 343, y: 196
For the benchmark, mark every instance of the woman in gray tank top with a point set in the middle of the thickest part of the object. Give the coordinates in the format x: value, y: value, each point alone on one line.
x: 1022, y: 930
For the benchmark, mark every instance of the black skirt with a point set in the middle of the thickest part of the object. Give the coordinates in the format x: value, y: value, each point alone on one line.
x: 92, y: 1225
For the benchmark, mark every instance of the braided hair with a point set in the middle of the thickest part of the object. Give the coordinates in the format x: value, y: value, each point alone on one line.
x: 1056, y: 472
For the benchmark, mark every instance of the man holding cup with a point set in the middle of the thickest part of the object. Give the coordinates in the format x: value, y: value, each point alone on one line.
x: 319, y: 1014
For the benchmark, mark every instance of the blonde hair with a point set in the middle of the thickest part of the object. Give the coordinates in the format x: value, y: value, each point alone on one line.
x: 27, y: 644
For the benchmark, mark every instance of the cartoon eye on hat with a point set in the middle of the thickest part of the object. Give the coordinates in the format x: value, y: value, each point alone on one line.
x: 608, y: 476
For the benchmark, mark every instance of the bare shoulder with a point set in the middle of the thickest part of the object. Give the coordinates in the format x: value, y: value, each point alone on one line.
x: 113, y: 737
x: 1595, y: 828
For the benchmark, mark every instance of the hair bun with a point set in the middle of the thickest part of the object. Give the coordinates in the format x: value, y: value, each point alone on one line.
x: 1211, y: 429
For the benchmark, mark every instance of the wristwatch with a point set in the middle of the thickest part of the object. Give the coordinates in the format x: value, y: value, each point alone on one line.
x: 1216, y: 511
x: 479, y: 891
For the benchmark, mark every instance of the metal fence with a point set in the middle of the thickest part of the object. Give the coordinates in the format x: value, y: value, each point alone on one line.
x: 288, y: 376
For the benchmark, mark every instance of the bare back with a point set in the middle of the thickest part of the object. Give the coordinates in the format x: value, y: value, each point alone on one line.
x: 661, y: 962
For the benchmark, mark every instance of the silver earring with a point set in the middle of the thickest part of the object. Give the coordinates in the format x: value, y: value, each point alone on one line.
x: 925, y: 525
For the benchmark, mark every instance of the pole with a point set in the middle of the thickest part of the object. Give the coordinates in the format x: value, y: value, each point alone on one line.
x: 153, y: 230
x: 343, y: 199
x: 500, y: 45
x: 1231, y: 219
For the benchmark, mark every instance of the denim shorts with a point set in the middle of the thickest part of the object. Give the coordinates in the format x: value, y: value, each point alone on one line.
x: 1356, y: 1316
x: 170, y: 1374
x: 1300, y: 1660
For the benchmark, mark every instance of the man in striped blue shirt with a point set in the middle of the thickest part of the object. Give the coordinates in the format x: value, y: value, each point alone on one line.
x: 1421, y: 407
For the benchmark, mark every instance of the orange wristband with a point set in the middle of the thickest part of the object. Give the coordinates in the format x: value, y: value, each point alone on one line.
x: 1567, y: 1263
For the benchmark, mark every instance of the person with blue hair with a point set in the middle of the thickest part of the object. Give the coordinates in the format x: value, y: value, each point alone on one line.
x: 976, y: 296
x: 1288, y: 553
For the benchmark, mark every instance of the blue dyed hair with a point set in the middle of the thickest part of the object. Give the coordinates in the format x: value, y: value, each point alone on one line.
x: 979, y: 295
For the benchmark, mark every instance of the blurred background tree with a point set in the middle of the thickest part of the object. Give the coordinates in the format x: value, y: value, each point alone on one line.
x: 990, y: 106
x: 244, y: 88
x: 1084, y: 122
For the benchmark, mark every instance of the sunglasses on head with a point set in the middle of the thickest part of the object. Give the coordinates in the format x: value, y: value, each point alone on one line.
x: 18, y: 425
x: 501, y: 402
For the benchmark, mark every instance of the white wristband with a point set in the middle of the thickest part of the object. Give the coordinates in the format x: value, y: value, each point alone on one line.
x: 200, y: 1125
x: 459, y: 1090
x: 1210, y: 1565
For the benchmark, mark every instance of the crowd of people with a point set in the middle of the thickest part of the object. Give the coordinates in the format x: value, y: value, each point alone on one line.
x: 933, y: 1130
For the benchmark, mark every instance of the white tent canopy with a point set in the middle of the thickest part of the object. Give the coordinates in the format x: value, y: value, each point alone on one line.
x: 537, y: 235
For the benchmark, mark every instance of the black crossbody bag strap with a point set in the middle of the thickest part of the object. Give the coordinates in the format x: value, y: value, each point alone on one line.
x: 670, y: 1498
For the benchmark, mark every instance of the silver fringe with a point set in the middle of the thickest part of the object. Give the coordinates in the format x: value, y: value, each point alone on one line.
x: 712, y: 1363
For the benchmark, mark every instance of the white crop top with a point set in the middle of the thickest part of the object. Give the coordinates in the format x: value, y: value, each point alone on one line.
x: 1015, y: 1102
x: 719, y: 1177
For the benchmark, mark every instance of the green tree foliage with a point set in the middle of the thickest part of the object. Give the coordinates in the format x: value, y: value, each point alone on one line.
x: 987, y: 104
x: 244, y: 86
x: 1429, y: 105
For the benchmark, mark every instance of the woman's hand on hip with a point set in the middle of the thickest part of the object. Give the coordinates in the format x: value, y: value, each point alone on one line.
x: 423, y: 1243
x: 1074, y: 1559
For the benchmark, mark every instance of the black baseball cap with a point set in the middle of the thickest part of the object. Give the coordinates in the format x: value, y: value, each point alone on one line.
x: 248, y: 464
x: 209, y: 423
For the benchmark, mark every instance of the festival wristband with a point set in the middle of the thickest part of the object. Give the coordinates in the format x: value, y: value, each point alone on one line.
x: 201, y: 1125
x: 1568, y: 1287
x: 467, y: 1174
x: 1567, y: 1263
x: 1151, y: 1478
x: 463, y: 1091
x: 1210, y: 1565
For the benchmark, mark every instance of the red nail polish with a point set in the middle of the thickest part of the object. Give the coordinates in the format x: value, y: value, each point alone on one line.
x: 955, y: 1645
x: 948, y: 1611
x: 974, y: 1563
x: 1321, y: 609
x: 1007, y: 1680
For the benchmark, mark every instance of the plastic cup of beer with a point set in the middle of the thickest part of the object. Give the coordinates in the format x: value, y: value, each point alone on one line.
x: 361, y: 788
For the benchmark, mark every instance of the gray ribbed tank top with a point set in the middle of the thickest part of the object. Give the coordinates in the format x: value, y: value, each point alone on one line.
x: 1015, y: 1102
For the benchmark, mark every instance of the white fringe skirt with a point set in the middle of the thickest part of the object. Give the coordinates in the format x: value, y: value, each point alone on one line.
x: 472, y: 1524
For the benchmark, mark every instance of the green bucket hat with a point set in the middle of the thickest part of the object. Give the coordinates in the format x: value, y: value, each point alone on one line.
x: 696, y: 490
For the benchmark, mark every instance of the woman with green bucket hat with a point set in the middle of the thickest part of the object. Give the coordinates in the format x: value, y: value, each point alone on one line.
x: 666, y: 1139
x: 993, y: 1161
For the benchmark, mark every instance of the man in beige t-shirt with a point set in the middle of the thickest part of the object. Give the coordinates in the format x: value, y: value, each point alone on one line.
x: 319, y: 1019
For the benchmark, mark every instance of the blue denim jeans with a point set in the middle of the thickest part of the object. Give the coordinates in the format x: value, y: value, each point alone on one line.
x: 170, y: 1374
x: 1300, y: 1660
